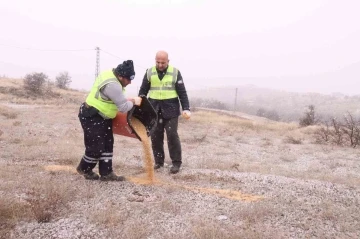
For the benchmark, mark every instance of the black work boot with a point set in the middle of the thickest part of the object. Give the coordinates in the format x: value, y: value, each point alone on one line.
x: 112, y: 177
x: 85, y: 168
x: 88, y: 175
x: 174, y: 169
x: 157, y: 166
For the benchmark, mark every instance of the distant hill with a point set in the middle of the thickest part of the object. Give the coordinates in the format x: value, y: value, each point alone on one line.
x: 289, y: 105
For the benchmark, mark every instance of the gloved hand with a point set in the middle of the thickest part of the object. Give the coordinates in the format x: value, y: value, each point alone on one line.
x: 137, y: 101
x: 186, y: 114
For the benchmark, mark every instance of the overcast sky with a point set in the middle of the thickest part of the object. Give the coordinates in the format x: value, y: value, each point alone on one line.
x: 294, y: 45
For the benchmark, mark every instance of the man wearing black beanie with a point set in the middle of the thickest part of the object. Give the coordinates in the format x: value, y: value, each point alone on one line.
x: 105, y: 99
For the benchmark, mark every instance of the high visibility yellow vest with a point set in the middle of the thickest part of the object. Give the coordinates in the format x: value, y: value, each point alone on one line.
x: 106, y: 107
x: 162, y: 89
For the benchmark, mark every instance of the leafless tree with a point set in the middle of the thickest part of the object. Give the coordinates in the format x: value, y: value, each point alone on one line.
x: 351, y: 129
x: 324, y: 133
x: 63, y: 80
x: 34, y: 82
x: 337, y: 133
x: 309, y: 117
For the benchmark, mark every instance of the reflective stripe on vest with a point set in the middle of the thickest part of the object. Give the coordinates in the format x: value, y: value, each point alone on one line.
x: 165, y: 88
x: 105, y: 106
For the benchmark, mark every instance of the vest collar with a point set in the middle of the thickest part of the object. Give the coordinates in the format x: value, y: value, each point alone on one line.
x: 162, y: 72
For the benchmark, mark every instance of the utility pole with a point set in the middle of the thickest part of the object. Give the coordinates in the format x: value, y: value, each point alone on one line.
x: 235, y: 99
x: 97, y: 68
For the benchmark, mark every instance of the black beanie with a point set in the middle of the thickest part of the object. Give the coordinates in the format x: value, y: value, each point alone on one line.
x: 126, y: 69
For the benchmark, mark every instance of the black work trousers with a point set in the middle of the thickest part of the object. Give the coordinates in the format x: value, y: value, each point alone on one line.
x: 170, y: 126
x: 98, y: 140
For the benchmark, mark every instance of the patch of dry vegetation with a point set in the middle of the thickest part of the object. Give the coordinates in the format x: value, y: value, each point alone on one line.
x: 234, y: 122
x: 292, y: 140
x: 47, y: 199
x: 8, y: 113
x: 110, y: 215
x: 12, y: 211
x: 219, y: 152
x: 210, y: 229
x: 283, y: 149
x: 13, y: 91
x: 30, y: 201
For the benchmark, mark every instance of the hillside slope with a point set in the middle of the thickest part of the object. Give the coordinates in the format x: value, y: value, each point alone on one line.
x: 241, y: 178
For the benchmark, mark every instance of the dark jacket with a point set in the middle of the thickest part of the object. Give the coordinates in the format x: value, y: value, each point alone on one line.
x: 169, y: 108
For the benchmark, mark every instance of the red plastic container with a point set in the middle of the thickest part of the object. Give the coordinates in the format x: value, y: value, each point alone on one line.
x: 122, y: 127
x: 145, y: 113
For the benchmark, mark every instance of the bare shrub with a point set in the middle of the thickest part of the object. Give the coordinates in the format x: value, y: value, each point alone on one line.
x: 292, y: 140
x: 8, y: 112
x: 47, y: 199
x: 309, y: 117
x: 335, y: 132
x: 11, y: 211
x: 351, y: 130
x: 17, y: 123
x: 63, y: 80
x: 34, y: 82
x: 48, y: 88
x: 323, y: 134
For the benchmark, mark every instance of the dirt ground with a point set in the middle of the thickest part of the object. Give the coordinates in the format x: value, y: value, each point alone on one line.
x: 241, y: 178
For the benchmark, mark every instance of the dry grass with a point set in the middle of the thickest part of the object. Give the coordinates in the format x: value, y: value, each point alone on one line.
x: 12, y: 91
x: 134, y: 231
x: 10, y: 82
x: 292, y: 140
x: 17, y: 123
x: 288, y: 158
x: 170, y: 207
x: 45, y: 200
x: 12, y: 211
x: 110, y: 216
x: 8, y: 113
x: 253, y: 213
x: 251, y: 156
x: 232, y: 122
x: 206, y: 229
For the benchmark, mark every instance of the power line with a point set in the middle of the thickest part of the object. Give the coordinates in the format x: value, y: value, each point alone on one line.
x: 97, y: 49
x: 37, y: 49
x: 64, y: 50
x: 111, y: 54
x: 120, y: 58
